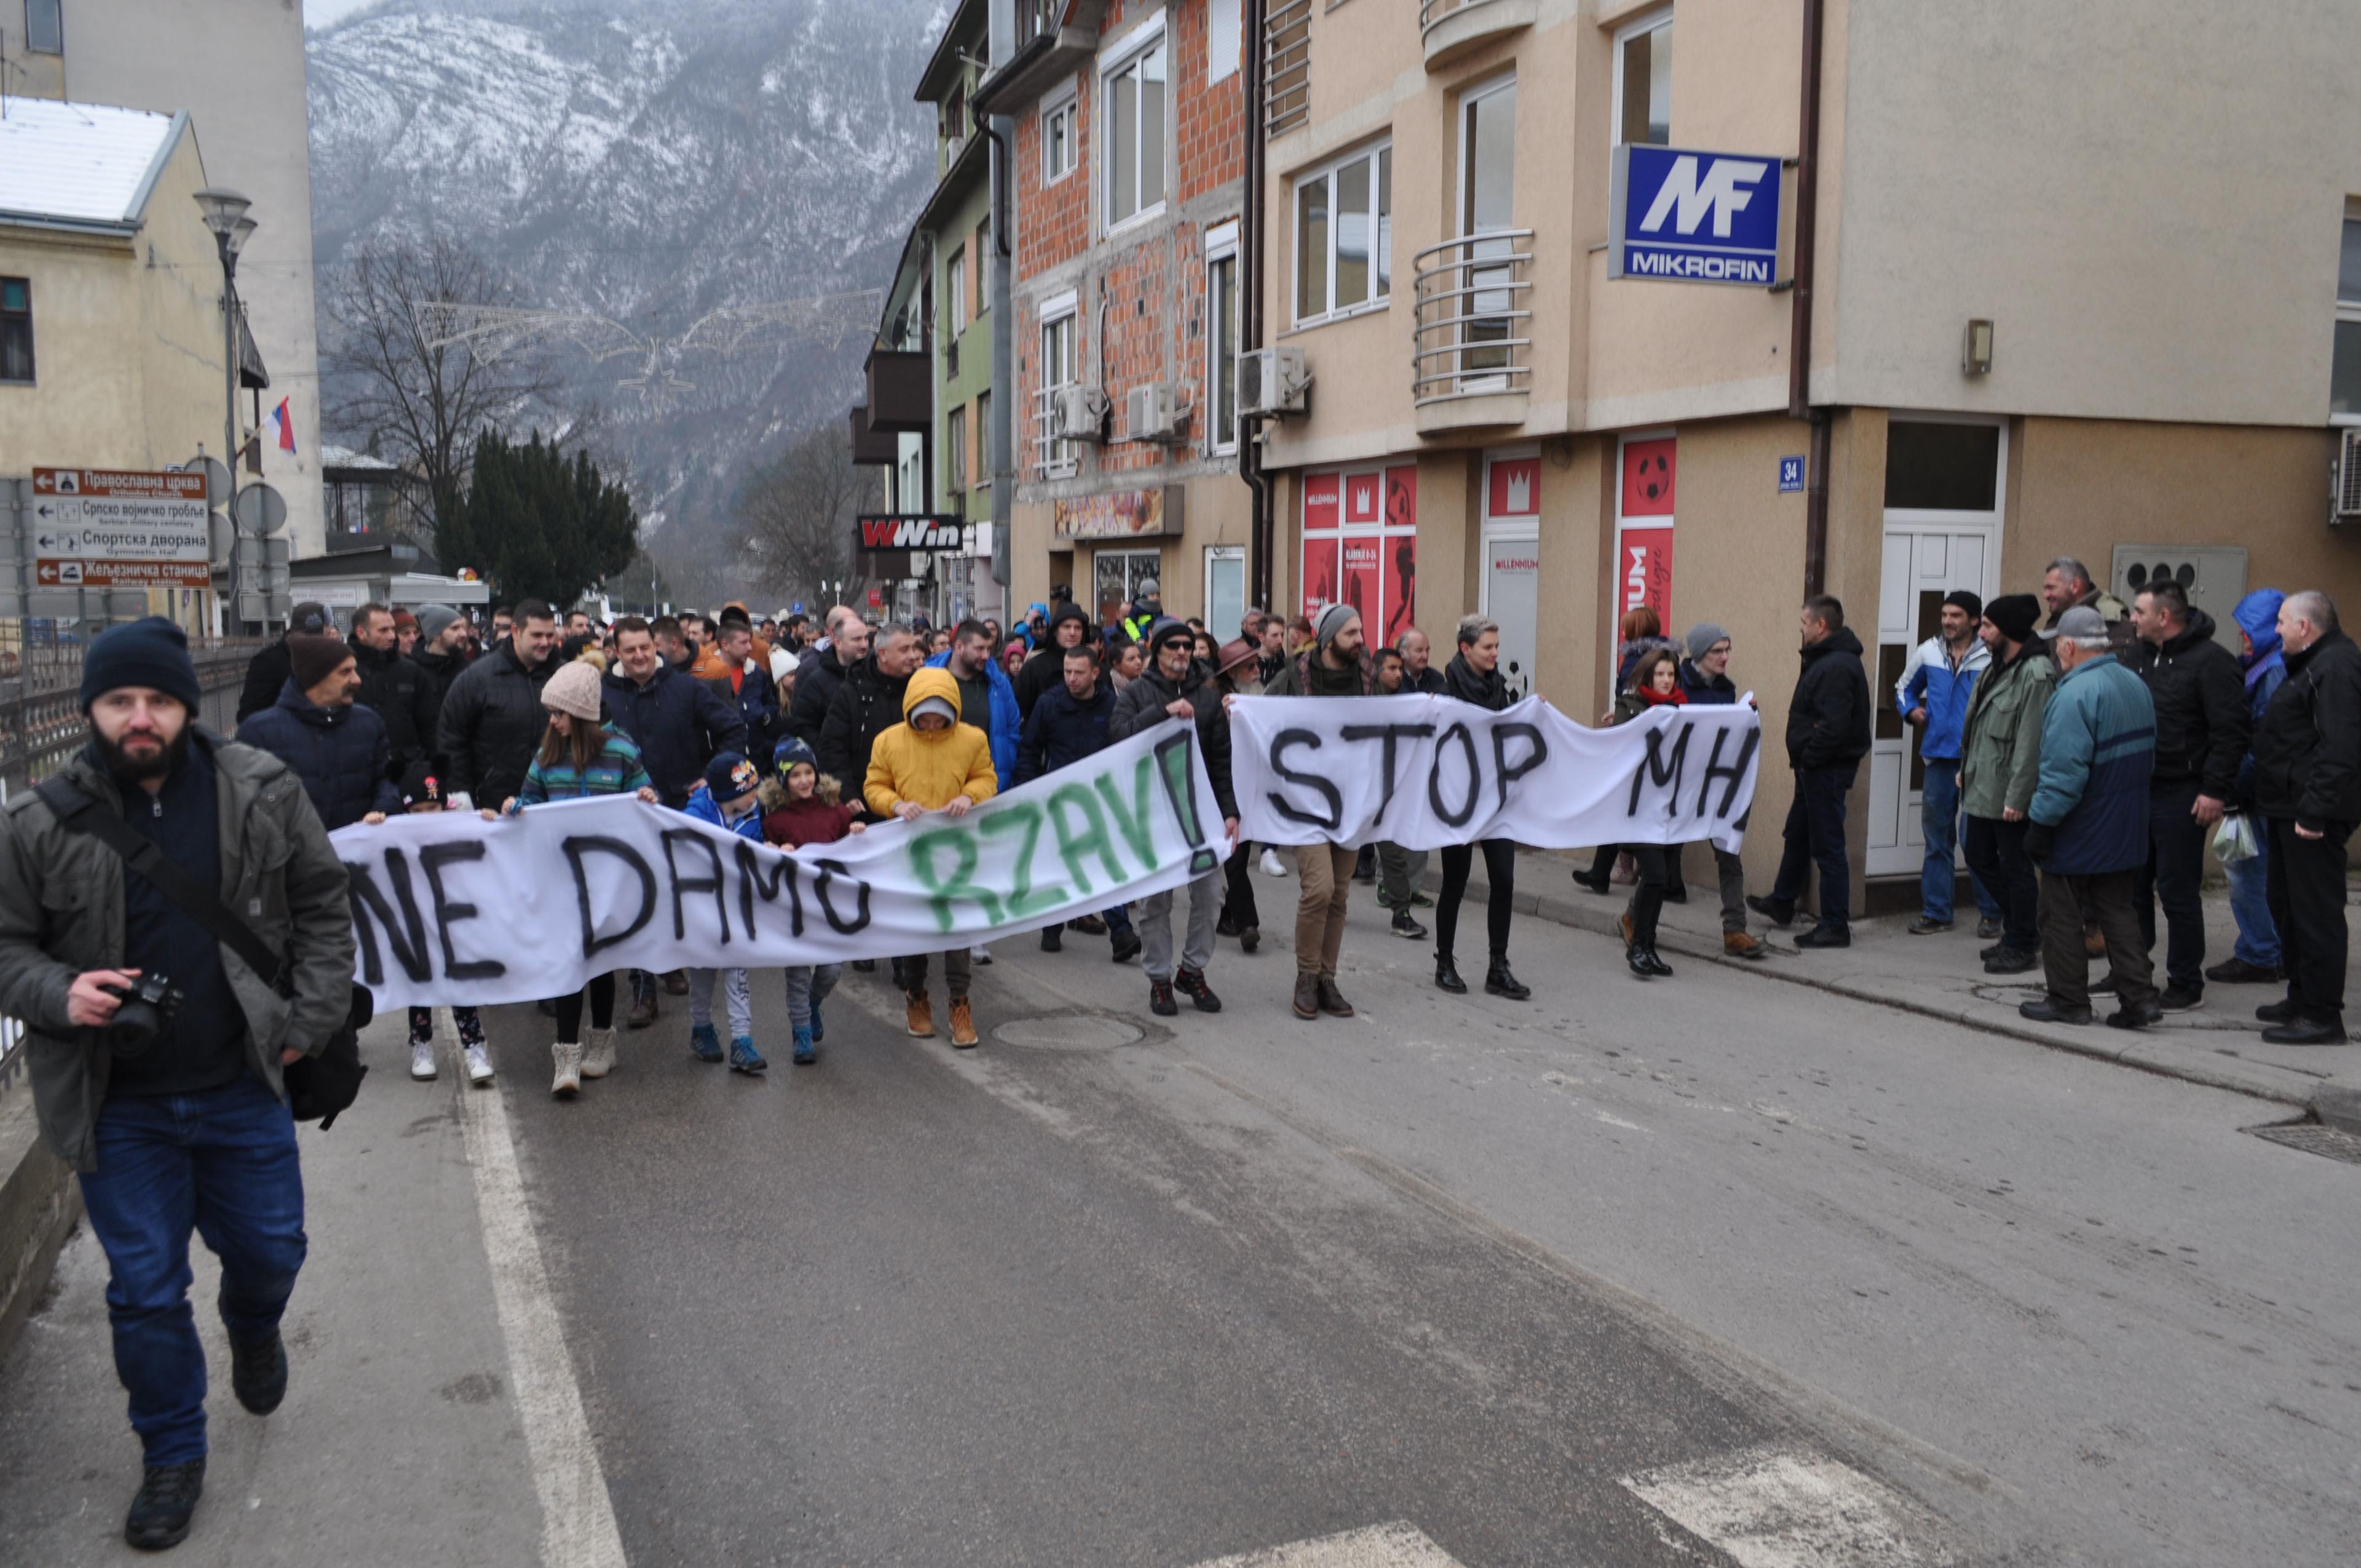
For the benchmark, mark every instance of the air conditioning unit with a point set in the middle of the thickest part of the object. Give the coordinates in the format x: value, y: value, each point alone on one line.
x: 1272, y: 382
x: 1078, y: 414
x: 2345, y: 502
x: 1153, y: 412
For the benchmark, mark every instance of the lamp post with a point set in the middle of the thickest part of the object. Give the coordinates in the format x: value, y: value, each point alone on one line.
x: 224, y: 213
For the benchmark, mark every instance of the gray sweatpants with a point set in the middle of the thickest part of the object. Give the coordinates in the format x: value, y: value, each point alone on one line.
x: 1398, y: 871
x: 1155, y: 927
x: 736, y: 993
x: 808, y: 987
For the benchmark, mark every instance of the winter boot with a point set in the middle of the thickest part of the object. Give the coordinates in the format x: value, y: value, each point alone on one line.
x: 599, y: 1054
x: 918, y: 1016
x: 568, y: 1081
x: 167, y: 1498
x: 1498, y: 981
x: 963, y: 1025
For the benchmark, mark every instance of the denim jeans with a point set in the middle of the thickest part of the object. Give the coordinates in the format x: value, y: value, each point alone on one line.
x: 1939, y: 821
x: 222, y: 1162
x: 2250, y: 901
x: 1815, y: 833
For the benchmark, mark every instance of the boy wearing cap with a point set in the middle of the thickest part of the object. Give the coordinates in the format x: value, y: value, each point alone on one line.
x: 1932, y: 697
x: 729, y: 797
x: 930, y: 762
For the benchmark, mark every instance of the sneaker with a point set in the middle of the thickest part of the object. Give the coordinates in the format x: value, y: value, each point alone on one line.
x: 978, y: 954
x: 1419, y: 900
x: 1825, y: 936
x: 598, y: 1053
x: 2011, y: 960
x: 422, y: 1060
x: 1987, y: 929
x: 1772, y: 909
x: 1406, y: 926
x: 2306, y: 1032
x: 2178, y: 999
x: 1053, y: 940
x: 1250, y: 938
x: 479, y: 1064
x: 2041, y: 1010
x: 744, y: 1057
x: 567, y: 1083
x: 1126, y: 947
x: 704, y: 1042
x: 1193, y: 982
x: 1159, y: 999
x: 806, y: 1052
x: 257, y: 1372
x: 1738, y: 945
x: 2238, y: 971
x: 918, y: 1016
x: 1927, y: 925
x: 166, y: 1501
x: 643, y: 1011
x: 963, y: 1025
x: 818, y: 1032
x: 1270, y: 865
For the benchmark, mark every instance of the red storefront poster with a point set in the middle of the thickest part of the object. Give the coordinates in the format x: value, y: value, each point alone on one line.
x: 1321, y: 581
x: 1644, y: 573
x: 1516, y: 488
x: 1402, y: 497
x: 1360, y: 499
x: 1400, y: 566
x: 1648, y: 467
x: 1320, y: 509
x: 1362, y: 576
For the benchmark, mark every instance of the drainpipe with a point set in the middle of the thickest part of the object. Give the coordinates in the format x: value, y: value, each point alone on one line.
x: 1260, y: 576
x: 1799, y: 355
x: 1000, y: 128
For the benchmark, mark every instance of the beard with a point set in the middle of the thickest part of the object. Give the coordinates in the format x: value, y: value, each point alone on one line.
x: 135, y: 770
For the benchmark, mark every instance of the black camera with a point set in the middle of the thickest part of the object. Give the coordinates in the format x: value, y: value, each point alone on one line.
x: 148, y: 1006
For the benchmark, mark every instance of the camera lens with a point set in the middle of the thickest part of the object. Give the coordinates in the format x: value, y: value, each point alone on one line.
x: 134, y: 1027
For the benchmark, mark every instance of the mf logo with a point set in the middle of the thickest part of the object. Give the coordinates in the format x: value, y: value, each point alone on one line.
x: 1686, y: 198
x: 909, y: 533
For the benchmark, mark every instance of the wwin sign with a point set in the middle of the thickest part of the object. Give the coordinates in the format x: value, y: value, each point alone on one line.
x: 1694, y: 217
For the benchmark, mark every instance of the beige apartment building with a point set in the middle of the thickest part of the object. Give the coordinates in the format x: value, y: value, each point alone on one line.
x: 2073, y: 282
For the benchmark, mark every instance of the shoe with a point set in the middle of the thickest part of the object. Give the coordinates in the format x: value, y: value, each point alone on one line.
x: 1201, y: 995
x: 1052, y: 940
x: 865, y: 966
x: 1624, y: 923
x: 1270, y: 864
x: 806, y: 1052
x: 598, y: 1053
x: 161, y: 1509
x: 257, y: 1372
x: 963, y: 1025
x: 978, y: 954
x: 2094, y: 945
x: 2104, y: 985
x: 1405, y: 925
x: 1089, y: 925
x: 1987, y: 929
x: 1125, y: 948
x: 2238, y: 971
x: 1159, y: 999
x: 1498, y: 981
x: 744, y: 1057
x: 2307, y: 1032
x: 1225, y: 926
x: 479, y: 1064
x: 1927, y: 925
x: 1825, y: 936
x: 1250, y: 938
x: 2177, y: 1000
x: 1307, y: 996
x: 1332, y: 1001
x: 1771, y: 909
x: 422, y: 1060
x: 676, y: 982
x: 2010, y: 960
x: 704, y: 1042
x: 1420, y: 900
x: 2129, y: 1017
x: 643, y: 1011
x: 918, y: 1016
x: 1738, y: 945
x: 1993, y: 951
x: 1584, y: 881
x: 2041, y: 1010
x: 819, y: 1032
x: 1645, y: 962
x: 1446, y: 976
x: 567, y: 1083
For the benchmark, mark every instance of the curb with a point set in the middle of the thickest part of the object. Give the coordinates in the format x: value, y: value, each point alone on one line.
x: 2338, y: 1106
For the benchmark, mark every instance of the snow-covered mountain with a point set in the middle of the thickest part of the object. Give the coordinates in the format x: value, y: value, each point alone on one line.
x: 650, y: 164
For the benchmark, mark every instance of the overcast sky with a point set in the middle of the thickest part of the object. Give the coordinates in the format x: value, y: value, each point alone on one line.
x: 320, y: 12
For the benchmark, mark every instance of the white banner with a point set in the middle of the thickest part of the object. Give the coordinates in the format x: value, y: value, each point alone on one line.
x: 1427, y: 771
x: 451, y: 908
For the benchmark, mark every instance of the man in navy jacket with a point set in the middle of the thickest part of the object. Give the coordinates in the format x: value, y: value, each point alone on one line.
x: 678, y: 722
x: 1067, y: 723
x: 334, y: 745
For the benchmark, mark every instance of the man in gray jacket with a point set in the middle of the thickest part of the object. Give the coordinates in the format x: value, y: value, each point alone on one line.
x: 183, y: 1124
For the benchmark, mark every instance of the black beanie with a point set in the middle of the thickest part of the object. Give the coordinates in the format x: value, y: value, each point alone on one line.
x: 149, y: 652
x: 2014, y: 615
x: 1969, y: 602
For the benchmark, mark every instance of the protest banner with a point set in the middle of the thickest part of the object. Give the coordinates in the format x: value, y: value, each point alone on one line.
x: 451, y: 908
x: 1427, y: 771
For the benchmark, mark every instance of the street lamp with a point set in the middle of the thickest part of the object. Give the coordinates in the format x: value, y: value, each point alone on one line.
x: 224, y: 213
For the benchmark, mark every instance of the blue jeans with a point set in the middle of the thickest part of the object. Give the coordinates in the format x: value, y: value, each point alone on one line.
x: 2258, y: 938
x: 1939, y: 821
x: 222, y: 1162
x: 1815, y: 835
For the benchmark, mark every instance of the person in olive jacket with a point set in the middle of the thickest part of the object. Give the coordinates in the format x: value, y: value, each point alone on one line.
x: 2000, y: 764
x: 2307, y: 786
x: 1828, y: 735
x: 492, y: 719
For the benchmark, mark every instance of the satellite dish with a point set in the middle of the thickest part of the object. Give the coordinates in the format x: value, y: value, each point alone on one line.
x: 260, y: 510
x: 218, y: 480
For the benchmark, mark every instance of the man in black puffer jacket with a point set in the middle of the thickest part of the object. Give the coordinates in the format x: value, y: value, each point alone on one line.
x: 394, y: 687
x: 2307, y: 786
x: 492, y: 719
x: 1828, y: 735
x: 866, y: 705
x: 1044, y: 669
x: 2202, y: 729
x: 819, y: 674
x: 335, y: 744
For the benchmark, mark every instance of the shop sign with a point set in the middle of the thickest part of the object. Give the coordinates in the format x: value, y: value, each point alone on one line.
x: 1693, y: 217
x: 911, y: 530
x: 1118, y: 514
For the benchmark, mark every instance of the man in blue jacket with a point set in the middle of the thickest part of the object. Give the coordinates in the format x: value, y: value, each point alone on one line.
x: 1932, y: 697
x: 334, y: 745
x: 1067, y: 723
x: 2089, y: 832
x: 987, y: 697
x: 2255, y: 958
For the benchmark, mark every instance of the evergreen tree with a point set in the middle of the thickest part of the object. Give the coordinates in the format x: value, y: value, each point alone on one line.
x: 538, y: 523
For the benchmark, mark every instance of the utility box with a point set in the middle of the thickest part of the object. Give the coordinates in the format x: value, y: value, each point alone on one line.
x: 2212, y: 575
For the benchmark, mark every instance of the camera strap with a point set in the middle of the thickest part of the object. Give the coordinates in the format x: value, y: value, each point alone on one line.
x: 78, y: 812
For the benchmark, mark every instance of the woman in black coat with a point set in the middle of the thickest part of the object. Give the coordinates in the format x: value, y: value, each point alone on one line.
x: 1473, y: 676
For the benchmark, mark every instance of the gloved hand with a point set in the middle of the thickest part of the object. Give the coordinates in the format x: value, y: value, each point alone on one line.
x: 2040, y: 841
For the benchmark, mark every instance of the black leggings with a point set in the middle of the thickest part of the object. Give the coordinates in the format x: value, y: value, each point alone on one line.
x: 1501, y: 878
x: 602, y: 1010
x: 1648, y: 899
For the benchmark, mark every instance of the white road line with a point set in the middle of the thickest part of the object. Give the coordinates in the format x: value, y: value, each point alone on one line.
x: 1781, y: 1507
x: 578, y: 1521
x: 1396, y: 1545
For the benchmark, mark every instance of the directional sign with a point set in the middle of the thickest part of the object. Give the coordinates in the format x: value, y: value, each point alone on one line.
x: 1693, y: 217
x: 118, y: 527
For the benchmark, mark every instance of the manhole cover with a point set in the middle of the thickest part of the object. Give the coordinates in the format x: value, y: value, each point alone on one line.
x: 1068, y: 1032
x: 2313, y: 1138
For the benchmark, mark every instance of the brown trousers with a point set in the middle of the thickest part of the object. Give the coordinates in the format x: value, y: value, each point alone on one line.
x: 1326, y: 871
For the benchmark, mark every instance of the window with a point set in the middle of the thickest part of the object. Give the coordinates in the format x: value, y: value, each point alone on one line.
x: 982, y: 469
x: 1118, y: 574
x: 1059, y: 127
x: 1056, y: 458
x: 955, y: 457
x: 1134, y: 95
x: 1345, y: 236
x: 1487, y: 164
x: 44, y: 28
x: 955, y: 285
x: 1643, y: 81
x: 1222, y: 32
x: 16, y: 330
x: 1221, y: 348
x: 982, y: 300
x: 1226, y: 589
x: 2344, y: 372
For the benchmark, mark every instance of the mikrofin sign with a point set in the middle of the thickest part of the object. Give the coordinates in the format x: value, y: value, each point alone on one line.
x: 107, y: 528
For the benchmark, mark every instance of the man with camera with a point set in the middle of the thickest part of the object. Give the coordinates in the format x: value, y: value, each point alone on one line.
x: 156, y: 1051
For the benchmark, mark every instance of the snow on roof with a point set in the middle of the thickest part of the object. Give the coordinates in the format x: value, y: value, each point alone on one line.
x: 81, y: 163
x: 334, y: 456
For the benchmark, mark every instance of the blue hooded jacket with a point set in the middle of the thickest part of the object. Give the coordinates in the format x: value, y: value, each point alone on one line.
x: 701, y: 804
x: 1007, y: 722
x: 2257, y: 616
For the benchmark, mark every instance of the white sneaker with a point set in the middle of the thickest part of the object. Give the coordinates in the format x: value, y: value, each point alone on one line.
x: 599, y: 1054
x: 1270, y: 866
x: 568, y: 1081
x: 978, y: 954
x: 422, y: 1060
x: 479, y: 1065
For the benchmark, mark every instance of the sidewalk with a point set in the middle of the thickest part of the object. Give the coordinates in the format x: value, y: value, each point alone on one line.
x: 2218, y: 1043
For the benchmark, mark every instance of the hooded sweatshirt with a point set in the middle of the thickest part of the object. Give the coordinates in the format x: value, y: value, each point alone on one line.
x: 929, y: 767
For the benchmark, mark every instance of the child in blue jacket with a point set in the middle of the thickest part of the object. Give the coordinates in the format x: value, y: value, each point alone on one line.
x: 727, y: 797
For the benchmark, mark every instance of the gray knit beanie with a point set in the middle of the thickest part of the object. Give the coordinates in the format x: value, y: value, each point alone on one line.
x: 1701, y: 639
x: 433, y: 619
x: 1331, y: 621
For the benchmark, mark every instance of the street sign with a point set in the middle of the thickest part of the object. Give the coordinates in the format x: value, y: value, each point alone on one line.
x: 1693, y: 217
x: 118, y: 527
x: 1791, y: 474
x: 260, y: 510
x: 216, y: 478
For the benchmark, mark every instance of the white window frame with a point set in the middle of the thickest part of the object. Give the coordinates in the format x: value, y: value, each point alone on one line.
x: 1066, y: 107
x: 1055, y: 458
x: 955, y: 285
x: 57, y: 46
x: 1149, y: 35
x: 1222, y: 553
x: 1221, y: 246
x: 1373, y: 152
x: 955, y: 476
x: 1623, y: 35
x: 2346, y: 310
x: 1224, y: 31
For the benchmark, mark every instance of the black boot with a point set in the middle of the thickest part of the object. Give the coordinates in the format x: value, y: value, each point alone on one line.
x: 161, y: 1511
x: 257, y: 1372
x: 1053, y: 940
x: 1446, y: 975
x: 1498, y: 981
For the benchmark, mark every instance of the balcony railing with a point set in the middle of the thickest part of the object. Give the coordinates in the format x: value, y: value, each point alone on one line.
x: 1471, y: 329
x: 1286, y: 66
x: 1054, y: 456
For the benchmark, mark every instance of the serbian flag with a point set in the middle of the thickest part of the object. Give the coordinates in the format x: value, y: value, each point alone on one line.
x: 286, y: 423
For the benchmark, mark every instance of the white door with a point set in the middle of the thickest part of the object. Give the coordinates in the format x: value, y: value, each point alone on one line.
x: 1512, y: 583
x: 1225, y: 590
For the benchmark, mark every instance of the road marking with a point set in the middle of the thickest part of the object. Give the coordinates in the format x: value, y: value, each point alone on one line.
x: 1396, y: 1545
x: 1781, y: 1507
x: 577, y: 1520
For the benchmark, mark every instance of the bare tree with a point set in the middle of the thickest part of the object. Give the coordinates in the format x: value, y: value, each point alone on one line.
x: 797, y: 512
x: 391, y: 386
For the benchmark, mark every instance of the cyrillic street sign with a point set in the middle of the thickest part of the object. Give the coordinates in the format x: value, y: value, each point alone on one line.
x: 117, y: 528
x: 1693, y: 217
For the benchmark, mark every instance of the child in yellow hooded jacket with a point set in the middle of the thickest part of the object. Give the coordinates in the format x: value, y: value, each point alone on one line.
x: 930, y: 762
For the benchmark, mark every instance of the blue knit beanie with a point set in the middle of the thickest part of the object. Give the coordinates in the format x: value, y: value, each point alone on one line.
x: 788, y: 753
x: 149, y: 652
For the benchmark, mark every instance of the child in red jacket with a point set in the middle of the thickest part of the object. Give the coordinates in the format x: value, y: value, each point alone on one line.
x: 801, y: 806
